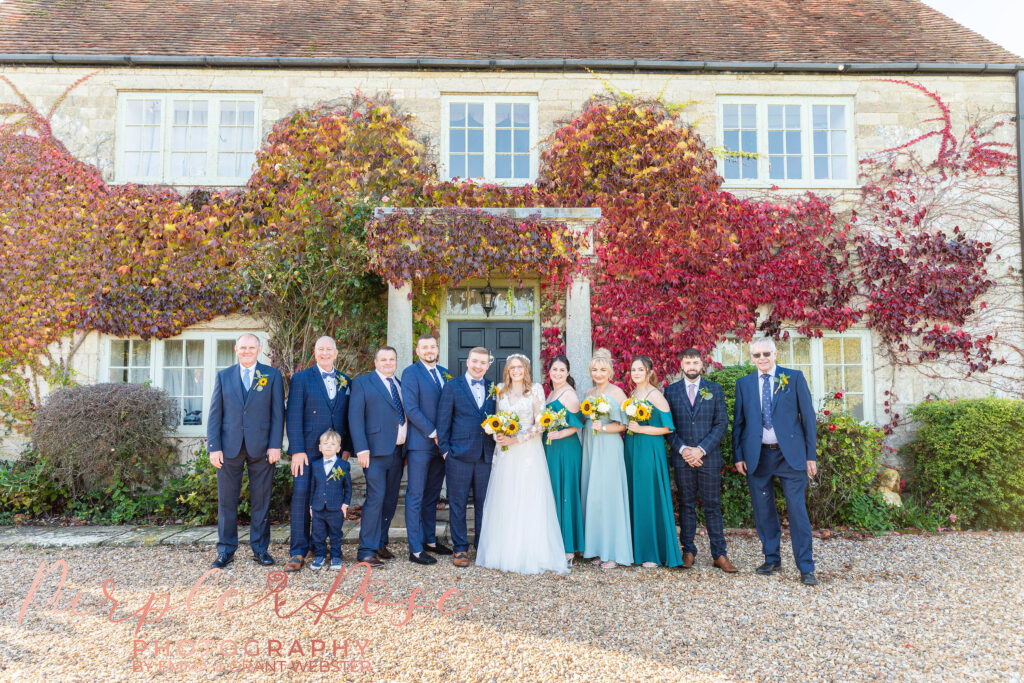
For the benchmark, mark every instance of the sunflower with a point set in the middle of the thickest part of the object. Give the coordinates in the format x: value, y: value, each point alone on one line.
x: 494, y: 422
x: 546, y: 419
x: 642, y: 413
x: 587, y: 407
x: 263, y: 381
x: 511, y: 428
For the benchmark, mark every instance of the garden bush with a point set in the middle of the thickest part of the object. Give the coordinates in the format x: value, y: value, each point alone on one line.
x: 27, y: 488
x: 96, y: 435
x: 968, y: 459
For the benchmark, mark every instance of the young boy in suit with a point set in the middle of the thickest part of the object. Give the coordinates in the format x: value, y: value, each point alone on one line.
x: 329, y: 500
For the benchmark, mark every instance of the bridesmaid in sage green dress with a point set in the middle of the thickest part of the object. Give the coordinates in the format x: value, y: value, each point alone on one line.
x: 605, y: 499
x: 565, y: 457
x: 655, y: 541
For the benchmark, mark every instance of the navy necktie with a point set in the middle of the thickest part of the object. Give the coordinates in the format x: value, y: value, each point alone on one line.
x: 435, y: 377
x: 397, y: 400
x: 766, y: 401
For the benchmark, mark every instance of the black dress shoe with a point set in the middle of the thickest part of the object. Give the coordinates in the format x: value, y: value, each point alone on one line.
x: 438, y: 549
x: 373, y: 561
x: 808, y: 579
x: 385, y: 554
x: 422, y: 558
x: 769, y: 568
x: 223, y: 560
x: 263, y: 558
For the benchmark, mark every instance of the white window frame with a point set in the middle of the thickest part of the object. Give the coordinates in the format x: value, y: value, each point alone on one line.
x: 818, y: 367
x: 806, y: 141
x: 166, y: 124
x: 156, y: 369
x: 489, y: 133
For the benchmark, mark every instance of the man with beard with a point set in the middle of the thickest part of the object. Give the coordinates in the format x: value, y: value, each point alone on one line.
x: 700, y: 417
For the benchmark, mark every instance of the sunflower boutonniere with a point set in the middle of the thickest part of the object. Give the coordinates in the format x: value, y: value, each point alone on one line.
x: 340, y: 380
x: 493, y: 391
x: 260, y: 379
x: 447, y: 376
x: 705, y: 394
x: 336, y: 474
x: 781, y: 382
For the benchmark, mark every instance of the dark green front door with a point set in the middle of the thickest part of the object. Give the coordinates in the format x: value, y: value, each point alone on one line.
x: 502, y: 339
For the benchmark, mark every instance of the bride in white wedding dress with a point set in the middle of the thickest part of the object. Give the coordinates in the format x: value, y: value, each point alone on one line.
x: 520, y: 528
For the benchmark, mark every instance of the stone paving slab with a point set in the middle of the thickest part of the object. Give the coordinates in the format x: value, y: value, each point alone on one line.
x: 63, y: 537
x: 192, y: 536
x: 143, y: 536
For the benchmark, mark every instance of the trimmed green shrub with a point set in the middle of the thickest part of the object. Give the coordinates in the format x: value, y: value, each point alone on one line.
x: 968, y: 458
x: 27, y: 487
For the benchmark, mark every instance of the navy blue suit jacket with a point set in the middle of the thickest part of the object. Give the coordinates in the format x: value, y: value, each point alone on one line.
x: 421, y: 394
x: 373, y: 419
x: 256, y: 417
x: 703, y: 424
x: 331, y: 495
x: 310, y: 413
x: 793, y: 418
x: 459, y: 433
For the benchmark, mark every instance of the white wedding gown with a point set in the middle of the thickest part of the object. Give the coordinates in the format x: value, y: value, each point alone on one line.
x: 520, y: 528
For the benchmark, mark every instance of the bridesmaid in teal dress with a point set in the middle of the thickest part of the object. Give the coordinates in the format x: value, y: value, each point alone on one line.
x: 655, y: 541
x: 565, y: 456
x: 606, y: 535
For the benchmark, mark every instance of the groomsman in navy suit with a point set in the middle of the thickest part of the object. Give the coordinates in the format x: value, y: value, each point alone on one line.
x: 422, y: 383
x: 245, y: 430
x: 774, y: 434
x: 317, y: 401
x: 379, y: 428
x: 466, y: 448
x: 700, y: 417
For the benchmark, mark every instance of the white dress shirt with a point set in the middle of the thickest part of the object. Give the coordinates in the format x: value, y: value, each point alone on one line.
x: 767, y: 435
x: 252, y: 375
x: 329, y: 385
x: 696, y: 393
x: 477, y: 389
x: 329, y: 464
x: 403, y: 429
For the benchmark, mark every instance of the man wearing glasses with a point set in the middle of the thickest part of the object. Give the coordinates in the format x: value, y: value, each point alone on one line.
x: 775, y: 435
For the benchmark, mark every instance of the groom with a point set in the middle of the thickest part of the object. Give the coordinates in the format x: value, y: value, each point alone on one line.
x: 466, y: 448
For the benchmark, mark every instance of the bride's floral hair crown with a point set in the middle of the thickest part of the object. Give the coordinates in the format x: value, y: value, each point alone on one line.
x: 519, y: 356
x: 507, y: 380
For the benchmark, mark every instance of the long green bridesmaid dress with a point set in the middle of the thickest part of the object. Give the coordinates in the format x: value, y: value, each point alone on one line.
x: 565, y: 456
x: 650, y: 496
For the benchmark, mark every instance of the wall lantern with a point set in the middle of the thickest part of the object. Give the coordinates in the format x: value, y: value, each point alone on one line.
x: 487, y: 295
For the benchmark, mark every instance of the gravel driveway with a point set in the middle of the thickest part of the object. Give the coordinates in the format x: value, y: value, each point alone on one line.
x: 912, y: 607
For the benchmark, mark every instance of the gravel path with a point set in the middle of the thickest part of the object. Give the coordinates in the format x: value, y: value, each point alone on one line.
x: 927, y: 607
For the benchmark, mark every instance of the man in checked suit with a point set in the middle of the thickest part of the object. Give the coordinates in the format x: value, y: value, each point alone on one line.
x: 700, y: 417
x: 379, y: 427
x: 775, y: 434
x: 245, y: 430
x: 317, y: 401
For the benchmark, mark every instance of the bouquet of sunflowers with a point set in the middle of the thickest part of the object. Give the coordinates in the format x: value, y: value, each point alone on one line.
x: 596, y: 408
x: 503, y: 422
x: 638, y: 409
x: 551, y: 420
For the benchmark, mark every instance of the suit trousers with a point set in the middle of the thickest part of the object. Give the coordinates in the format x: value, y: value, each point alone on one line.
x: 462, y: 477
x: 422, y: 492
x: 704, y: 482
x: 229, y: 489
x: 766, y: 515
x: 380, y: 477
x: 302, y: 489
x: 394, y: 487
x: 327, y: 523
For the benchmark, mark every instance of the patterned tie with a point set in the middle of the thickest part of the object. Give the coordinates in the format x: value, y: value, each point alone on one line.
x: 246, y: 379
x: 691, y: 389
x: 436, y: 377
x: 329, y: 382
x: 766, y: 401
x: 397, y: 400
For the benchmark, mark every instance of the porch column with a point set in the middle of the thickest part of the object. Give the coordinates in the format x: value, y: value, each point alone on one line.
x: 400, y: 323
x: 578, y: 341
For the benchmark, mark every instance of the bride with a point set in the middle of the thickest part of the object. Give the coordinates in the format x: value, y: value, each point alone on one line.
x: 520, y: 528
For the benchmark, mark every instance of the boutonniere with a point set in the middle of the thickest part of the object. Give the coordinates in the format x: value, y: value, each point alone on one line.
x: 705, y: 394
x: 493, y: 391
x: 340, y: 379
x: 447, y: 376
x: 261, y: 379
x: 781, y: 382
x: 337, y: 474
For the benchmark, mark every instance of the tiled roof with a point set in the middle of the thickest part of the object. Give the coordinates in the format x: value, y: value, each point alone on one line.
x: 688, y: 30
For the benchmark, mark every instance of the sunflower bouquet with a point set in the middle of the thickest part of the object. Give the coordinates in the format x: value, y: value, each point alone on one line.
x: 503, y: 422
x: 596, y: 408
x: 638, y: 409
x: 552, y: 420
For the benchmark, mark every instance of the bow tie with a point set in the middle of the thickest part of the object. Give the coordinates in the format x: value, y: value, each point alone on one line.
x: 476, y: 382
x: 330, y: 463
x: 325, y: 375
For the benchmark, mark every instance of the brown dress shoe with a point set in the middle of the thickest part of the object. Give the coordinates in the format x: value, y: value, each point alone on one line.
x: 294, y: 563
x: 385, y: 554
x: 687, y: 560
x: 373, y: 561
x: 460, y: 560
x: 723, y: 563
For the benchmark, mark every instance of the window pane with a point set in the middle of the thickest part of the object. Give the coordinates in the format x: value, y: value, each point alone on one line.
x: 839, y: 168
x: 503, y: 166
x: 776, y: 168
x: 730, y: 116
x: 457, y: 166
x: 748, y: 116
x: 457, y: 114
x: 521, y: 167
x: 793, y: 141
x: 140, y: 353
x: 503, y: 141
x: 775, y: 142
x: 851, y: 350
x: 732, y: 140
x: 820, y: 142
x: 119, y: 353
x: 793, y: 169
x: 503, y: 115
x: 821, y: 167
x: 749, y: 168
x: 172, y: 353
x: 139, y: 375
x: 855, y: 405
x: 118, y: 375
x: 774, y: 116
x: 832, y: 348
x: 521, y: 116
x: 194, y: 382
x: 475, y: 115
x: 854, y: 379
x: 458, y: 141
x: 749, y: 139
x: 247, y: 113
x: 819, y: 116
x: 194, y: 353
x: 172, y: 381
x: 476, y: 166
x: 521, y: 140
x: 833, y: 378
x: 225, y: 353
x: 793, y: 116
x: 838, y: 139
x: 192, y: 414
x: 838, y: 116
x: 802, y: 351
x: 732, y: 168
x: 457, y: 302
x: 475, y: 141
